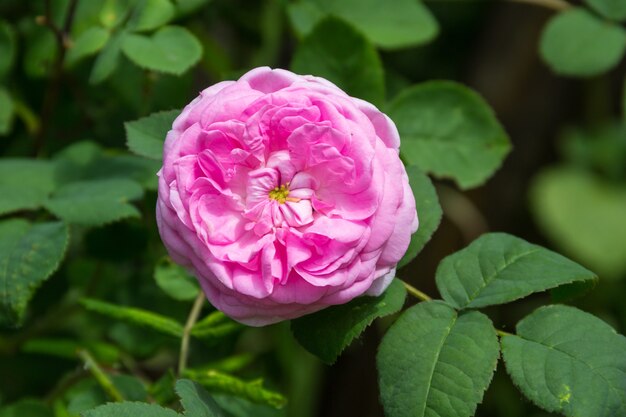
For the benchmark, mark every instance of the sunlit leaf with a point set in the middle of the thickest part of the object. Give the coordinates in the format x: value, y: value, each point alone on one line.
x: 499, y: 268
x: 436, y: 362
x: 450, y: 131
x: 568, y: 361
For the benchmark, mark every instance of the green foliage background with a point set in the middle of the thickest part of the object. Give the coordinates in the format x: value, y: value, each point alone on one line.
x: 513, y: 121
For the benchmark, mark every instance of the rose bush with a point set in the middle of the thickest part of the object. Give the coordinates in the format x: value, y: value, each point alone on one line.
x: 284, y: 195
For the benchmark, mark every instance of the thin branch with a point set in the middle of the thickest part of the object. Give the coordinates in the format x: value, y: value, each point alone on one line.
x: 27, y: 116
x: 101, y: 377
x: 415, y: 292
x: 51, y: 96
x: 191, y: 320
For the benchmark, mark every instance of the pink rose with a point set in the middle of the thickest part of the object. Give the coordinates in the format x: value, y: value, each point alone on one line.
x: 284, y: 195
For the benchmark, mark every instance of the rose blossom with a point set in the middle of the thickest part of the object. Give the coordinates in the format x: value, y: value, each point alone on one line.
x: 284, y: 195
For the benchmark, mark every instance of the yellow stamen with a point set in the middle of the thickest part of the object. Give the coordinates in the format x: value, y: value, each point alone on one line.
x: 280, y: 194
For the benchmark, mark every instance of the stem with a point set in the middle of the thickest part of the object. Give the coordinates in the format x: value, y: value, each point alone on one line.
x: 191, y: 320
x: 415, y: 292
x: 28, y: 117
x: 102, y: 378
x: 423, y: 297
x: 51, y: 96
x: 502, y: 333
x: 558, y: 5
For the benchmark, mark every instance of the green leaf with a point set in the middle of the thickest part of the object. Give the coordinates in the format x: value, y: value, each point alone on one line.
x: 214, y: 327
x: 6, y: 112
x: 95, y: 202
x: 86, y: 44
x: 145, y: 136
x: 428, y: 211
x: 29, y: 254
x: 89, y: 393
x: 498, y: 268
x: 66, y: 348
x: 154, y: 14
x: 136, y: 316
x: 601, y: 149
x: 407, y: 23
x: 252, y: 391
x: 114, y: 12
x: 162, y: 390
x: 436, y: 362
x: 624, y: 102
x: 230, y: 364
x: 139, y: 341
x: 130, y: 409
x: 25, y: 183
x: 328, y: 332
x: 40, y: 50
x: 576, y: 43
x: 7, y: 48
x: 337, y: 52
x: 196, y: 401
x: 86, y: 160
x: 568, y: 361
x: 175, y: 281
x: 237, y: 407
x: 304, y: 15
x: 186, y: 7
x: 172, y: 50
x: 611, y: 9
x: 108, y: 59
x: 448, y: 130
x: 593, y: 228
x: 26, y: 408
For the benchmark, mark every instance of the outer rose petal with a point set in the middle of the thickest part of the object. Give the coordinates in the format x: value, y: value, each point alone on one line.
x: 284, y: 195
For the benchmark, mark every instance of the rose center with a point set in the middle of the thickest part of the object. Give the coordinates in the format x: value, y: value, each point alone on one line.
x: 280, y: 194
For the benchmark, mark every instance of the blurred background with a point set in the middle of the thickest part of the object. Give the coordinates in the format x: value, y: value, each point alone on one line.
x: 563, y: 185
